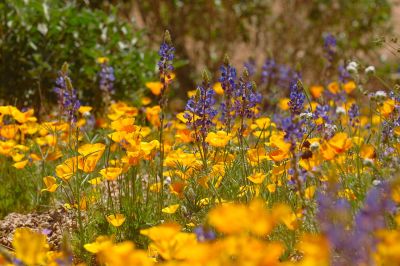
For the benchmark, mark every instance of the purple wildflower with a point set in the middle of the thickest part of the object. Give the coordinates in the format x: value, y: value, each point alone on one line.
x: 228, y: 84
x: 250, y: 65
x: 354, y: 113
x: 202, y: 106
x: 329, y: 47
x: 166, y: 54
x: 204, y: 234
x: 297, y: 98
x: 354, y: 245
x: 245, y: 99
x: 67, y: 97
x: 344, y: 75
x: 268, y: 73
x: 107, y: 78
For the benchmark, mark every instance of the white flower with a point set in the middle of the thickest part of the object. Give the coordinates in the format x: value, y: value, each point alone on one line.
x: 368, y: 162
x: 340, y: 110
x: 370, y: 70
x: 376, y: 182
x: 306, y: 115
x: 352, y: 67
x: 380, y: 95
x: 167, y: 180
x: 314, y: 146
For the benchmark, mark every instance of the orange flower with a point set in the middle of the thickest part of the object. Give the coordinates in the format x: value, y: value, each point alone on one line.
x: 50, y: 182
x: 116, y: 219
x: 155, y: 87
x: 340, y: 142
x: 218, y: 88
x: 334, y: 87
x: 349, y: 87
x: 111, y: 173
x: 257, y: 178
x: 316, y: 91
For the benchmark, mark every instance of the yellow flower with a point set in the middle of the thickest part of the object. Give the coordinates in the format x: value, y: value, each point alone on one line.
x: 85, y: 110
x: 101, y: 243
x: 155, y: 87
x: 116, y: 219
x: 152, y: 115
x: 219, y: 139
x: 316, y: 91
x: 334, y: 87
x: 349, y: 86
x: 169, y: 242
x: 91, y: 154
x: 21, y: 164
x: 340, y: 142
x: 9, y: 131
x: 271, y: 188
x: 50, y: 182
x: 191, y: 93
x: 30, y: 247
x: 171, y: 209
x: 218, y: 88
x: 95, y: 181
x: 387, y: 108
x: 284, y: 104
x: 367, y: 151
x: 257, y: 178
x: 309, y: 192
x: 111, y: 173
x: 315, y: 250
x: 102, y: 60
x: 68, y: 168
x: 145, y: 101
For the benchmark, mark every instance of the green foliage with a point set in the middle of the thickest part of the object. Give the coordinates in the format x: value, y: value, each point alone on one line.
x: 37, y: 37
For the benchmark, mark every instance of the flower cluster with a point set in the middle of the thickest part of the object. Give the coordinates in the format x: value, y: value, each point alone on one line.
x: 67, y: 96
x: 330, y: 47
x: 228, y: 84
x: 106, y: 79
x: 200, y: 110
x: 166, y: 54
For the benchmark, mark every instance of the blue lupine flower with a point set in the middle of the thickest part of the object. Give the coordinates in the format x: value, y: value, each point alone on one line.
x: 250, y: 65
x: 322, y: 111
x: 297, y: 98
x: 344, y: 75
x: 204, y: 234
x: 268, y: 73
x: 67, y: 96
x: 330, y: 47
x: 228, y: 84
x: 354, y: 113
x: 354, y: 244
x: 202, y: 106
x: 166, y: 54
x: 107, y: 78
x: 245, y: 99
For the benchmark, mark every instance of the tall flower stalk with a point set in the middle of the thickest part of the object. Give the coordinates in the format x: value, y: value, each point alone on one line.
x: 228, y: 83
x: 106, y: 80
x: 67, y: 97
x: 165, y: 68
x: 245, y: 102
x: 199, y: 113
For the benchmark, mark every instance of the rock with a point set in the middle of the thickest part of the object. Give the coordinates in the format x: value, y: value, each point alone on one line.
x: 53, y: 223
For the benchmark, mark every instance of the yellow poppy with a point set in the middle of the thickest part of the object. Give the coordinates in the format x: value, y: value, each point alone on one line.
x: 116, y: 219
x: 50, y: 182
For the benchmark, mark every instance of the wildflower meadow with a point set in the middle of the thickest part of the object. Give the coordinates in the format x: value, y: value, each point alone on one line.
x: 216, y: 133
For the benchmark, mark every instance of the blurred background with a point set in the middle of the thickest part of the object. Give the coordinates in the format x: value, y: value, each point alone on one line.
x: 293, y: 36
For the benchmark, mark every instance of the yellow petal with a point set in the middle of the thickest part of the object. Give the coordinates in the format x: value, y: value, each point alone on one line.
x: 116, y: 219
x: 171, y: 209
